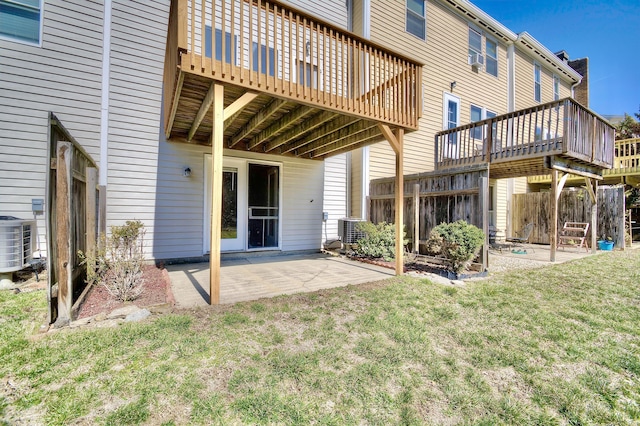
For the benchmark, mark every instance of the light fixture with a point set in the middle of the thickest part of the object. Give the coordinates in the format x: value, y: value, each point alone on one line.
x: 453, y: 85
x: 186, y: 172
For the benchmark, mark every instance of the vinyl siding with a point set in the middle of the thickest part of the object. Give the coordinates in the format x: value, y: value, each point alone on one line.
x: 335, y: 193
x: 332, y: 11
x: 138, y: 40
x: 524, y: 87
x: 63, y: 76
x: 445, y: 55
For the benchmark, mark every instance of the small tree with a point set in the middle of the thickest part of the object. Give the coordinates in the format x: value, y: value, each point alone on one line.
x: 628, y: 128
x: 379, y: 240
x: 117, y: 261
x: 458, y: 241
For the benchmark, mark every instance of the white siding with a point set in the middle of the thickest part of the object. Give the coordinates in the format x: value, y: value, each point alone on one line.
x: 63, y: 77
x: 138, y: 41
x: 335, y: 194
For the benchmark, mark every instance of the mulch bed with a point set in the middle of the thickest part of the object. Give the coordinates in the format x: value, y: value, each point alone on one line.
x: 156, y: 291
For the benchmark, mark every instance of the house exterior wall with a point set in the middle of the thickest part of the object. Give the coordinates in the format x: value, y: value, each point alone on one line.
x: 524, y: 81
x: 62, y: 76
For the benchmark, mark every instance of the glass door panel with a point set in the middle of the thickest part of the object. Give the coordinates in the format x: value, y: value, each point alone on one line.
x: 264, y: 206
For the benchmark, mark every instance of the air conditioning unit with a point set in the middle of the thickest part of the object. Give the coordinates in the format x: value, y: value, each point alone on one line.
x: 476, y: 60
x: 17, y: 243
x: 347, y: 230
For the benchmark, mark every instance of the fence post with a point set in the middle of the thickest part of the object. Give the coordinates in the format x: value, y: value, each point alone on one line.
x: 64, y: 154
x: 554, y: 215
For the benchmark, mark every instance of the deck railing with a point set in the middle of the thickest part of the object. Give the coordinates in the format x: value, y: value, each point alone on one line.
x: 626, y: 162
x: 270, y: 47
x: 562, y: 127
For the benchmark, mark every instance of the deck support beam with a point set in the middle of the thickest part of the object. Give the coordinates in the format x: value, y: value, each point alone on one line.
x: 396, y: 140
x: 484, y: 208
x: 556, y: 190
x: 592, y: 189
x: 216, y: 192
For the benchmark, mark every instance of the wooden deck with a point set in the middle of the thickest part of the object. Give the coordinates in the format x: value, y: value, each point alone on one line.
x: 626, y: 167
x: 296, y: 85
x: 562, y: 135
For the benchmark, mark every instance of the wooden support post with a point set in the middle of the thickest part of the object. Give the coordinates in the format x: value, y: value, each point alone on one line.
x: 553, y: 237
x: 592, y: 189
x: 102, y: 209
x: 216, y: 193
x: 416, y: 218
x: 484, y: 209
x: 91, y: 216
x: 64, y: 154
x: 395, y: 139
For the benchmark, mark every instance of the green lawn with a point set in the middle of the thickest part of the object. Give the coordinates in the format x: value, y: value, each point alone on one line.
x: 559, y: 345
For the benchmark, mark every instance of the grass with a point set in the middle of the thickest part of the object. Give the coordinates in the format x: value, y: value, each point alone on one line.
x: 552, y: 346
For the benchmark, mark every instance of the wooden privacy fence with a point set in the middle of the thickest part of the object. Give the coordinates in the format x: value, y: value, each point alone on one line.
x: 72, y: 224
x: 574, y: 205
x: 433, y: 198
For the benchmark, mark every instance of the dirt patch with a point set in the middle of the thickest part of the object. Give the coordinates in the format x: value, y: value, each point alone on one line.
x: 156, y: 291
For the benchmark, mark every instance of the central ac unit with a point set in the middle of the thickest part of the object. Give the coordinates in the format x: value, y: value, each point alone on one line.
x: 476, y: 60
x: 17, y: 241
x: 347, y: 230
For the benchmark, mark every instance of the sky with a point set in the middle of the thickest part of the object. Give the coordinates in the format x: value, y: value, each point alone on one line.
x: 607, y: 32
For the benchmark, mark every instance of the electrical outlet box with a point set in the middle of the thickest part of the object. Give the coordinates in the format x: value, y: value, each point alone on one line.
x: 325, y: 216
x: 37, y: 205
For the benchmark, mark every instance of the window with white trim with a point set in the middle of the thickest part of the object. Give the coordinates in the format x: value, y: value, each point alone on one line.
x: 21, y: 20
x: 556, y: 88
x: 451, y: 115
x: 478, y: 114
x: 491, y: 60
x: 537, y: 85
x: 417, y: 18
x: 475, y: 42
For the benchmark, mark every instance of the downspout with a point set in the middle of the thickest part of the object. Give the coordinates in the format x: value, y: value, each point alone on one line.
x: 104, y: 115
x: 511, y: 106
x: 366, y: 33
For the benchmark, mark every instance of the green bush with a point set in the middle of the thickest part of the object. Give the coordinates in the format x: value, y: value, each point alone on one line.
x: 458, y: 241
x: 378, y: 241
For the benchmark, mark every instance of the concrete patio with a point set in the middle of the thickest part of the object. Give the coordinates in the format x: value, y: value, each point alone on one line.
x: 250, y: 277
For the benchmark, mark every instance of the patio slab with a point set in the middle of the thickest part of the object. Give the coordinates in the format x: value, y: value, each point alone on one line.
x: 252, y: 278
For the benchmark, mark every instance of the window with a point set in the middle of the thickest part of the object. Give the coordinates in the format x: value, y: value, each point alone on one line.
x: 556, y: 88
x: 451, y: 113
x: 537, y: 95
x: 477, y: 114
x: 491, y: 61
x: 416, y: 18
x: 21, y: 20
x: 227, y: 45
x: 475, y: 42
x: 307, y: 74
x: 264, y: 60
x: 490, y: 49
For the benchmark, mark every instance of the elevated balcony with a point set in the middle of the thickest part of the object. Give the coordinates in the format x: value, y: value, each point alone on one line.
x: 293, y: 84
x: 626, y: 167
x: 562, y: 135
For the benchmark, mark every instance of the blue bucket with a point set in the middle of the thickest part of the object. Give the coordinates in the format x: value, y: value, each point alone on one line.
x: 605, y: 245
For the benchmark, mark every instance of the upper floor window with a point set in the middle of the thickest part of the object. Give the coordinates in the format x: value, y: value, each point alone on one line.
x: 491, y: 62
x: 475, y: 42
x: 556, y: 88
x: 21, y: 20
x: 537, y: 87
x: 417, y: 18
x: 488, y: 60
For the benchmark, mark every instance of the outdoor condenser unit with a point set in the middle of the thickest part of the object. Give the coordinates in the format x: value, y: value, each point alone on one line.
x: 347, y: 230
x: 17, y: 243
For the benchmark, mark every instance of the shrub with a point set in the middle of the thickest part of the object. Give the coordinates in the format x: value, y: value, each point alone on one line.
x: 458, y: 241
x: 117, y: 261
x: 379, y: 241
